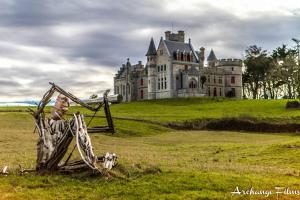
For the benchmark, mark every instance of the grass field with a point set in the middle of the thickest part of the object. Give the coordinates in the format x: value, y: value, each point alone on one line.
x: 161, y: 163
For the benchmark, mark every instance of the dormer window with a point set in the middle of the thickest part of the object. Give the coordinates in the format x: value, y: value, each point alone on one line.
x: 175, y: 56
x: 188, y: 58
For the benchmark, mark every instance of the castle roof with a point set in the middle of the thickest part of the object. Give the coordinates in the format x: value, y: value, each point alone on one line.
x: 152, y: 49
x: 173, y: 46
x: 212, y: 56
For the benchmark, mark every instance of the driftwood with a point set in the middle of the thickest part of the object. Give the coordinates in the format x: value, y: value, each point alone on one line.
x: 4, y: 171
x: 57, y: 133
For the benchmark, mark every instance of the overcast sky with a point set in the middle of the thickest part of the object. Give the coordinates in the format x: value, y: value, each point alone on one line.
x: 80, y: 44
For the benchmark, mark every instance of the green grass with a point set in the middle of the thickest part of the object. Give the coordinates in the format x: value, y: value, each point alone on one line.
x: 193, y: 164
x: 167, y: 110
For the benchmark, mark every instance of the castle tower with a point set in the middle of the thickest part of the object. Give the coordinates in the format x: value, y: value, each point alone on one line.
x: 201, y: 57
x: 212, y: 59
x: 151, y: 66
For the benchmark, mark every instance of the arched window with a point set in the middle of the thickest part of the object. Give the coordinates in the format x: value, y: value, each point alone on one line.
x: 193, y: 84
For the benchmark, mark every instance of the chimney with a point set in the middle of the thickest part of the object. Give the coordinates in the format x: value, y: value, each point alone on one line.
x: 181, y: 36
x: 167, y: 35
x: 201, y: 57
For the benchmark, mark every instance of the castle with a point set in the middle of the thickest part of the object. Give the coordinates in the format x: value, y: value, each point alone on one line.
x: 175, y: 69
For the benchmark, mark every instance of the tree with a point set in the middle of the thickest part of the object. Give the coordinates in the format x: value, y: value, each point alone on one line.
x: 287, y: 71
x: 202, y: 80
x: 257, y: 64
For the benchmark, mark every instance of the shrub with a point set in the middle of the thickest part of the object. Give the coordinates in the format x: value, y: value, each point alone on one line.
x: 292, y: 104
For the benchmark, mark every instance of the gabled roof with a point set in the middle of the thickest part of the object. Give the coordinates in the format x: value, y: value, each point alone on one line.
x: 212, y: 56
x: 152, y: 49
x: 173, y: 46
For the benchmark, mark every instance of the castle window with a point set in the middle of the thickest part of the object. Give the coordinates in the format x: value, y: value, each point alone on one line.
x: 232, y: 69
x: 161, y: 68
x: 162, y: 83
x: 158, y: 68
x: 165, y: 82
x: 214, y: 79
x: 215, y: 92
x: 158, y: 85
x: 233, y: 92
x: 175, y: 55
x: 181, y: 56
x: 142, y: 81
x: 142, y: 94
x: 148, y: 59
x: 220, y: 90
x: 181, y: 80
x: 220, y: 79
x: 165, y: 68
x: 188, y: 58
x: 232, y: 79
x: 192, y: 84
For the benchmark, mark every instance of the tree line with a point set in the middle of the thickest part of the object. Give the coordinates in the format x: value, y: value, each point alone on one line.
x: 271, y: 75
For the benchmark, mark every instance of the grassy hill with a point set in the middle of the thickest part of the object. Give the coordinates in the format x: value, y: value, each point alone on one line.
x: 167, y: 110
x: 161, y: 163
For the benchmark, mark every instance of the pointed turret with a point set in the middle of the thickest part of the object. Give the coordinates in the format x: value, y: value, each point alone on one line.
x: 152, y: 49
x: 151, y: 67
x: 212, y: 59
x: 212, y: 56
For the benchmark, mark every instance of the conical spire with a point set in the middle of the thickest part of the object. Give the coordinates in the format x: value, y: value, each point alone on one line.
x: 152, y: 49
x: 212, y: 56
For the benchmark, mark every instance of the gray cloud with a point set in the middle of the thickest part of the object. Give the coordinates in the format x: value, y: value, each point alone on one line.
x: 102, y: 34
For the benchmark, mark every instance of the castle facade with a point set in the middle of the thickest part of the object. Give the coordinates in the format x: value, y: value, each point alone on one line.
x: 175, y: 69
